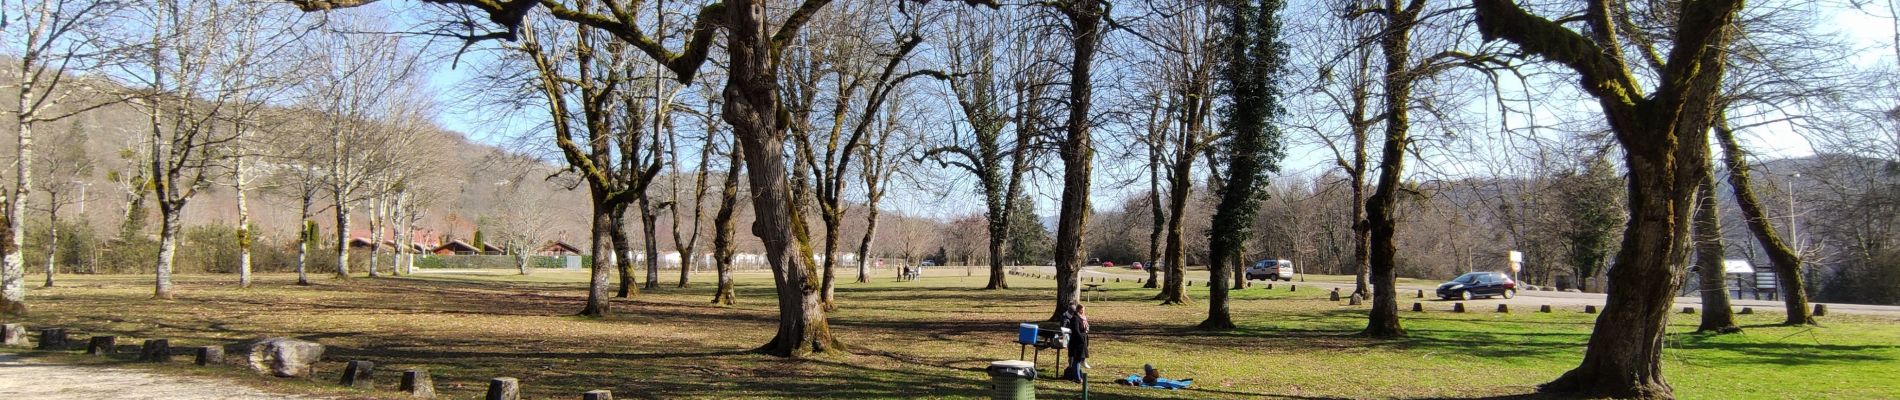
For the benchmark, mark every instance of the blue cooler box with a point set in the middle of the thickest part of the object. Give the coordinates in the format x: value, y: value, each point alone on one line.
x: 1026, y: 333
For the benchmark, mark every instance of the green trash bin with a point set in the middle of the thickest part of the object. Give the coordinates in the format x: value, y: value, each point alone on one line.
x: 1012, y: 380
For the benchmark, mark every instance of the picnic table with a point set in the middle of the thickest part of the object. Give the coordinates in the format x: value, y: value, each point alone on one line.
x: 1095, y: 288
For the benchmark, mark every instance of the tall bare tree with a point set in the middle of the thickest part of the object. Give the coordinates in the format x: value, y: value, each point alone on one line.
x: 751, y: 106
x: 1664, y: 135
x: 1187, y: 49
x: 1082, y: 26
x: 64, y: 168
x: 55, y: 38
x: 204, y: 63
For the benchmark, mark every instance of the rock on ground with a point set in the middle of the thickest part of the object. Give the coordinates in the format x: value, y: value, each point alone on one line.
x: 285, y: 357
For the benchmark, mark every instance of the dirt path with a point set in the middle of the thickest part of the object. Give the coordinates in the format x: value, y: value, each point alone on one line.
x: 22, y: 379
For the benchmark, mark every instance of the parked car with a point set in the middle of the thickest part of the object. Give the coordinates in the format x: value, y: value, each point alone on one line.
x: 1478, y: 284
x: 1271, y: 270
x: 1136, y: 266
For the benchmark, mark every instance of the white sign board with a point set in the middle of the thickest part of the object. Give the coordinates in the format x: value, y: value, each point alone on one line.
x: 1737, y: 267
x: 1516, y: 257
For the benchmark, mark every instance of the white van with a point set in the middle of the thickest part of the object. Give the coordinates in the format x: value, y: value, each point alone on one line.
x: 1271, y: 270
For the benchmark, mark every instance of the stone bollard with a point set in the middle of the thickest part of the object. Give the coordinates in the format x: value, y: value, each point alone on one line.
x: 1458, y: 307
x: 209, y: 356
x: 1589, y: 309
x: 1544, y: 309
x: 359, y: 374
x: 1747, y: 310
x: 52, y: 339
x: 1418, y: 307
x: 598, y: 395
x: 1355, y: 300
x: 417, y: 383
x: 156, y: 350
x: 1117, y: 280
x: 1292, y: 288
x: 1504, y: 308
x: 1335, y: 295
x: 504, y: 389
x: 1820, y: 310
x: 101, y: 345
x: 1421, y: 294
x: 12, y: 335
x: 1688, y: 310
x: 1269, y: 286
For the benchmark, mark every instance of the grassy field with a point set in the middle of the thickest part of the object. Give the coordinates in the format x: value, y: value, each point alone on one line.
x: 928, y: 338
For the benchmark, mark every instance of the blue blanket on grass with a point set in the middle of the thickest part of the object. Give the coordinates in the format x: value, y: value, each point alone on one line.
x: 1162, y: 383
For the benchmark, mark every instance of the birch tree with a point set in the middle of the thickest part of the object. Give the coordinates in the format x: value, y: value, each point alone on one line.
x: 56, y: 39
x: 204, y: 63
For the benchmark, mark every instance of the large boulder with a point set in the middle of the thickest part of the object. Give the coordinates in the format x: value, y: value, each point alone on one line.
x: 285, y: 357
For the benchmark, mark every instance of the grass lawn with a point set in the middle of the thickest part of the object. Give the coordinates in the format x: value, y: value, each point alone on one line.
x: 929, y: 338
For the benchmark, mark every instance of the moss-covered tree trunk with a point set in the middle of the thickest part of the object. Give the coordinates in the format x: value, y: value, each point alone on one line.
x: 723, y: 226
x: 1664, y: 135
x: 1717, y: 317
x: 1786, y: 261
x: 1077, y: 149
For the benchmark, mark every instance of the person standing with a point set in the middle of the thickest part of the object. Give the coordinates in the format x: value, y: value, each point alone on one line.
x: 1078, y: 323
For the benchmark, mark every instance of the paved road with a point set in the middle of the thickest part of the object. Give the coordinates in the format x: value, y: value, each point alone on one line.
x: 1408, y: 293
x: 22, y: 379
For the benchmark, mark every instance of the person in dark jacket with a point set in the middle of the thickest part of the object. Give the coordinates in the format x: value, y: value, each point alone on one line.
x: 1078, y: 323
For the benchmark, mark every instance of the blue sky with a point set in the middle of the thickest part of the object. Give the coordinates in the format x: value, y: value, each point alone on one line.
x: 492, y: 126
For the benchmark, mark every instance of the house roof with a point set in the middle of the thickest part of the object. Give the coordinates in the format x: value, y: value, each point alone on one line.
x: 556, y: 245
x: 456, y: 246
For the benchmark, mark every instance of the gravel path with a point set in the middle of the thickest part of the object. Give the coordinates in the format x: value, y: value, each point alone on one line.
x: 22, y: 379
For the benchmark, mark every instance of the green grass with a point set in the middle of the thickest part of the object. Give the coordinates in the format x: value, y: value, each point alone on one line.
x: 932, y: 338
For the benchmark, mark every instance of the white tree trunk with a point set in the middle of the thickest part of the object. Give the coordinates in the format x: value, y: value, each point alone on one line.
x: 12, y: 268
x: 244, y: 227
x: 342, y: 238
x: 167, y: 248
x: 376, y: 223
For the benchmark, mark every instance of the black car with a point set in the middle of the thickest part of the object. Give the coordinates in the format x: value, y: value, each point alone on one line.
x: 1478, y: 284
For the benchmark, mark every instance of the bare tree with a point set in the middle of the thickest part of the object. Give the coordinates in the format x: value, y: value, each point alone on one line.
x: 1184, y: 36
x: 204, y: 63
x: 55, y: 38
x: 1083, y: 28
x: 1664, y: 136
x: 364, y: 91
x: 1716, y: 315
x: 63, y: 168
x: 751, y: 106
x: 688, y: 246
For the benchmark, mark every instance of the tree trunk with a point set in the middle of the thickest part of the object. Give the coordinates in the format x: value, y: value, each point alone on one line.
x: 1716, y: 315
x: 1173, y: 291
x: 1786, y: 260
x: 622, y: 254
x: 1395, y: 47
x: 1160, y: 220
x: 723, y: 227
x: 1077, y: 151
x: 752, y: 108
x: 243, y: 226
x: 864, y: 245
x: 649, y: 225
x: 829, y: 282
x: 52, y: 241
x: 376, y: 222
x: 167, y: 246
x: 12, y: 263
x: 600, y: 247
x: 303, y: 240
x: 342, y: 238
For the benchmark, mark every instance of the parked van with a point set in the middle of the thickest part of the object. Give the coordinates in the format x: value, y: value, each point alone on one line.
x: 1271, y: 270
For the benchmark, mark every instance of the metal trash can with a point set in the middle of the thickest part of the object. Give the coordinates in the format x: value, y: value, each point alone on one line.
x: 1012, y: 380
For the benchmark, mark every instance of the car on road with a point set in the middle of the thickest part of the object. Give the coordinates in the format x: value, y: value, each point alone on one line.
x: 1478, y: 284
x: 1271, y: 270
